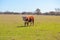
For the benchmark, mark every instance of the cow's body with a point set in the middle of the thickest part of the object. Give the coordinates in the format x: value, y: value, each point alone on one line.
x: 28, y: 20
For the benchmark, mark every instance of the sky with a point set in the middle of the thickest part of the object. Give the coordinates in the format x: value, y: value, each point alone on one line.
x: 28, y: 5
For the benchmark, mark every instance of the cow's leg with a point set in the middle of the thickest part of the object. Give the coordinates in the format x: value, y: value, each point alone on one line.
x: 32, y: 23
x: 26, y: 23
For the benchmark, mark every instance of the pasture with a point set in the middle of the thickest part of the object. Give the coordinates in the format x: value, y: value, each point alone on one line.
x: 45, y: 28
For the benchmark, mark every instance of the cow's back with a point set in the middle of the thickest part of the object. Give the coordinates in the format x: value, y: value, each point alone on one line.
x: 30, y: 17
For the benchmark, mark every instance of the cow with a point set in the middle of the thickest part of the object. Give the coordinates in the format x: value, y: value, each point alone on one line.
x: 28, y: 20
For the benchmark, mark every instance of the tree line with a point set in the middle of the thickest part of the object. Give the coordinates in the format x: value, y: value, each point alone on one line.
x: 37, y: 12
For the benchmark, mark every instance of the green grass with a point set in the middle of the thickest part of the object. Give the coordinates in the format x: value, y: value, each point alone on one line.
x: 45, y: 28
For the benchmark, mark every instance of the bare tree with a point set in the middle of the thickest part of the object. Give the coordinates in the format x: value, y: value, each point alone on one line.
x: 57, y: 11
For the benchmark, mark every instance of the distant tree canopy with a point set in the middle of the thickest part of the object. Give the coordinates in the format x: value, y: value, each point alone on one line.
x: 37, y: 11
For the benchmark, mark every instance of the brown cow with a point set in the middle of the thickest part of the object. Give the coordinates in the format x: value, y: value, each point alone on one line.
x: 28, y: 20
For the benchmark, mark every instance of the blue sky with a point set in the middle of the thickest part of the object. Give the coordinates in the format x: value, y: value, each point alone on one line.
x: 29, y: 5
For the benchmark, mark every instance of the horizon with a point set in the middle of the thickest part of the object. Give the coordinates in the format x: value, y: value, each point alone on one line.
x: 29, y: 5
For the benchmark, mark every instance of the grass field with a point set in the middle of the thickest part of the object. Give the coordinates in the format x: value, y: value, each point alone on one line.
x: 45, y: 28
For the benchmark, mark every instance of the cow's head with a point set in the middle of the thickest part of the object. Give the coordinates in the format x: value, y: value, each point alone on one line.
x: 24, y: 18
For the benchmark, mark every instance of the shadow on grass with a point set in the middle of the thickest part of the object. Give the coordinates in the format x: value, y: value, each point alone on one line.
x: 21, y: 26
